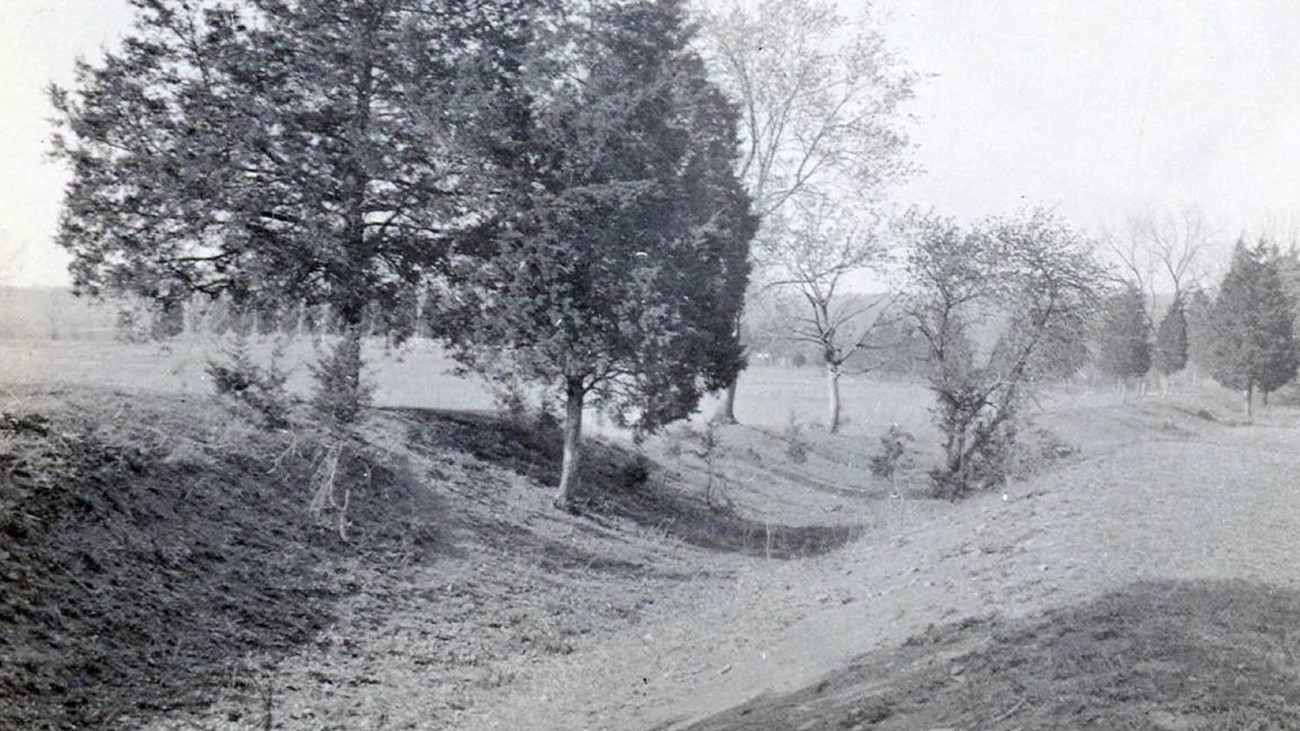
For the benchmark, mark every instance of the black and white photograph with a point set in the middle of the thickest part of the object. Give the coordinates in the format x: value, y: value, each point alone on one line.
x: 649, y: 365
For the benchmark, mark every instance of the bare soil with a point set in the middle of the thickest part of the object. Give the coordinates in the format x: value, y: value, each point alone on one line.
x: 1152, y: 494
x: 160, y: 564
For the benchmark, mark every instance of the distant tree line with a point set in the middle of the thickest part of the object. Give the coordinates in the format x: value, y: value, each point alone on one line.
x: 1241, y: 333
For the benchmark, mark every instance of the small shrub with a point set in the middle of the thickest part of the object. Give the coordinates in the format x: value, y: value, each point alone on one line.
x: 895, y: 445
x: 512, y: 403
x: 707, y: 448
x: 1040, y: 450
x: 340, y: 393
x: 262, y: 389
x: 986, y: 465
x: 799, y: 360
x: 635, y: 473
x: 795, y: 447
x: 979, y: 439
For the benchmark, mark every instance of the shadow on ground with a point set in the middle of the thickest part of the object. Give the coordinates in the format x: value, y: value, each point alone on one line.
x: 143, y: 557
x: 620, y: 483
x: 1166, y: 655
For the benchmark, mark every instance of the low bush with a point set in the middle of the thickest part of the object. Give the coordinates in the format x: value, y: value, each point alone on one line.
x: 796, y: 449
x: 895, y: 445
x: 262, y: 389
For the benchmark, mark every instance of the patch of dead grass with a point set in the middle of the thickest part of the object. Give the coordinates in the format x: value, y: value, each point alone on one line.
x: 1164, y: 655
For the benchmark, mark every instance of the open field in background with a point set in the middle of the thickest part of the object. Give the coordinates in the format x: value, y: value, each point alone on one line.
x: 780, y: 400
x: 48, y: 336
x: 48, y: 313
x: 773, y: 397
x: 418, y: 375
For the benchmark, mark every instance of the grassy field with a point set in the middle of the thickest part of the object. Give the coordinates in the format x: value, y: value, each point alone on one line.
x: 415, y: 376
x: 418, y: 375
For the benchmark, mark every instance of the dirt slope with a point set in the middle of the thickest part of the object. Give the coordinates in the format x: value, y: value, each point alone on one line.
x: 1157, y: 495
x: 161, y: 564
x: 461, y: 600
x: 1157, y: 655
x: 148, y: 546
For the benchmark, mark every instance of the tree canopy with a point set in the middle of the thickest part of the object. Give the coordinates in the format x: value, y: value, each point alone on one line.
x: 1171, y: 349
x: 820, y: 97
x: 615, y: 265
x: 1125, y: 335
x: 993, y: 303
x: 1253, y: 324
x: 280, y: 151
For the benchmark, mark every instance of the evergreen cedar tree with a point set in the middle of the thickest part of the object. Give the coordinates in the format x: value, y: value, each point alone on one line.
x: 1252, y: 325
x: 278, y: 152
x: 616, y: 263
x: 1126, y: 336
x: 1171, y: 351
x: 1200, y: 332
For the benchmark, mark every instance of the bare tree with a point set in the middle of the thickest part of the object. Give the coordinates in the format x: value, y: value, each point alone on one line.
x: 1161, y: 252
x: 823, y: 247
x: 820, y: 97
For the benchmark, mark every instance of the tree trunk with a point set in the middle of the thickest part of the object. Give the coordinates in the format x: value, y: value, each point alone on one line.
x: 833, y: 391
x: 1263, y: 398
x: 727, y: 411
x: 1250, y: 401
x: 957, y: 466
x: 573, y: 394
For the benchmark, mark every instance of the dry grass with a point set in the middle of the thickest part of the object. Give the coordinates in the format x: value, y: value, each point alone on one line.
x: 415, y: 376
x: 1155, y: 655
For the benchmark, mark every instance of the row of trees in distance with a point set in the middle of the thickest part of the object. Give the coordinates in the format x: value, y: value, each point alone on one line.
x: 1241, y: 333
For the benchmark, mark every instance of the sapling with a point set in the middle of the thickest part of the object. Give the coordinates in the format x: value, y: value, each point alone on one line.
x: 894, y: 455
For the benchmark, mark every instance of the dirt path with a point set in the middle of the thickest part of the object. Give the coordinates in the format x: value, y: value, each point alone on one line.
x: 1190, y: 500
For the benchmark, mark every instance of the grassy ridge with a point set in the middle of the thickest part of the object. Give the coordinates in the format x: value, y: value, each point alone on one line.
x: 148, y: 549
x: 1155, y: 655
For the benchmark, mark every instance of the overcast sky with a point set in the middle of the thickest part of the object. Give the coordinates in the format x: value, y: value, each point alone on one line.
x: 1098, y: 108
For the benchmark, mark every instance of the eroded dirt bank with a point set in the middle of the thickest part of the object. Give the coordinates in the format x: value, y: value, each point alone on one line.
x: 460, y: 599
x: 1156, y: 496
